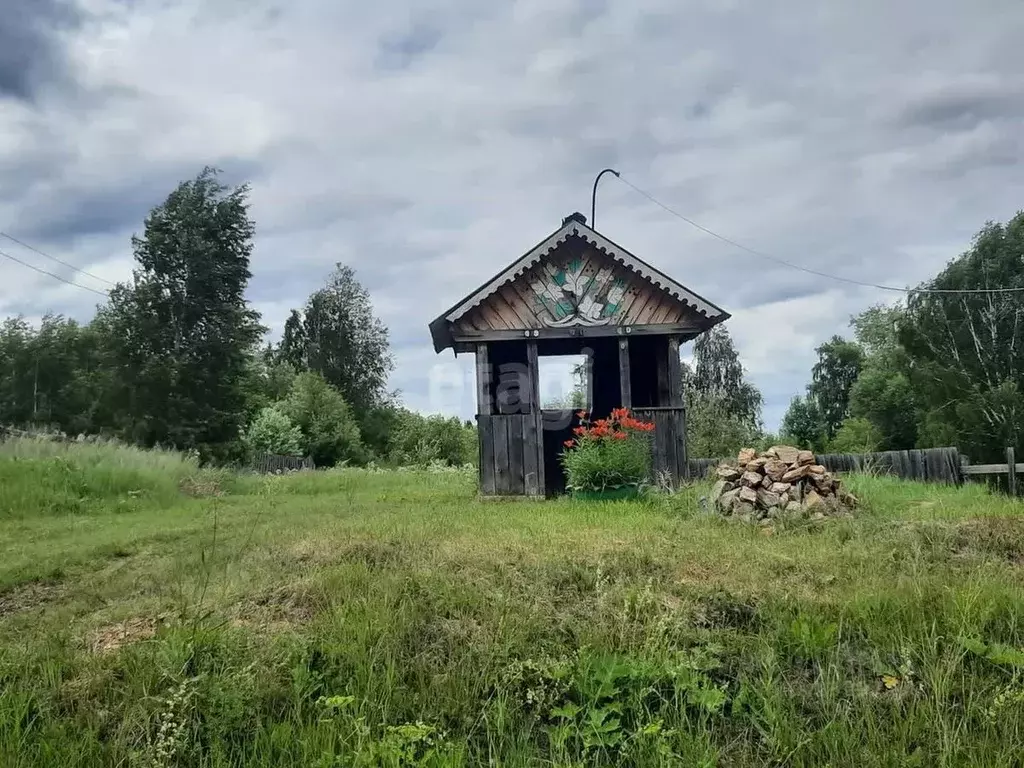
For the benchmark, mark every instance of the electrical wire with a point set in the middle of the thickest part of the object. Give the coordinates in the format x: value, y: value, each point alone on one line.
x: 13, y: 239
x: 808, y: 270
x: 51, y: 274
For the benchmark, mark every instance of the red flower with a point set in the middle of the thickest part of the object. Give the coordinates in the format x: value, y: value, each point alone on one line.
x: 579, y: 430
x: 581, y: 414
x: 569, y: 443
x: 621, y: 435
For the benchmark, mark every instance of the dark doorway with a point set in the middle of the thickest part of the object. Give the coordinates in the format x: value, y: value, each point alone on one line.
x: 557, y: 428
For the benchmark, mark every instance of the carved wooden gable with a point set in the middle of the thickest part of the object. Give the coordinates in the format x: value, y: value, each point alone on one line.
x: 575, y: 279
x: 575, y: 286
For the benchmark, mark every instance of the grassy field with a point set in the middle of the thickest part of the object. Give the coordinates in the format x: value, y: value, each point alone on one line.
x: 152, y: 614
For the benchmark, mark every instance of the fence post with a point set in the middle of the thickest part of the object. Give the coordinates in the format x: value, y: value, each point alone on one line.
x: 1012, y: 474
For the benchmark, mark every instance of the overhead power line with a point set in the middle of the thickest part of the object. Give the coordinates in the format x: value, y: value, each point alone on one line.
x: 808, y: 270
x: 51, y: 274
x: 32, y: 248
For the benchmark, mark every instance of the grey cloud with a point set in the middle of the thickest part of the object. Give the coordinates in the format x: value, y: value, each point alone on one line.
x: 30, y: 53
x: 963, y: 105
x: 398, y: 51
x: 67, y: 209
x: 869, y: 143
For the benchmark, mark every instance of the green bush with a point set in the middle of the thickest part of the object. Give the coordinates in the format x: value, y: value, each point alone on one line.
x: 608, y: 453
x: 419, y: 440
x: 856, y: 435
x: 273, y: 432
x: 330, y: 433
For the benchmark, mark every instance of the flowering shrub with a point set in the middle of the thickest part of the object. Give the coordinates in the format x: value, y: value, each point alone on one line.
x: 608, y: 453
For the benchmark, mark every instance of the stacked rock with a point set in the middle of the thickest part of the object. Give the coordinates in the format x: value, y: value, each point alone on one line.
x: 780, y: 481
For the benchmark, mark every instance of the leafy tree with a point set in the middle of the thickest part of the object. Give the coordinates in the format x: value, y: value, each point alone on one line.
x: 856, y: 435
x: 182, y: 330
x: 883, y: 393
x: 378, y: 427
x: 16, y: 368
x: 885, y: 397
x: 293, y: 344
x: 339, y: 337
x: 712, y: 430
x: 420, y: 440
x: 966, y: 355
x: 802, y: 424
x: 718, y: 376
x: 54, y: 375
x: 839, y: 364
x: 576, y: 398
x: 273, y: 432
x: 330, y: 433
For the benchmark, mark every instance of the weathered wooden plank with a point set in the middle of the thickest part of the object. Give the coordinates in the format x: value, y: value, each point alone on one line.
x: 502, y: 481
x: 532, y: 455
x: 516, y: 459
x: 589, y: 381
x: 533, y: 435
x: 663, y: 442
x: 679, y: 433
x: 665, y: 311
x: 633, y: 290
x: 992, y: 469
x: 493, y: 319
x: 469, y: 335
x: 485, y: 435
x: 643, y: 315
x: 527, y: 296
x: 523, y: 311
x: 484, y: 401
x: 532, y: 385
x: 638, y: 307
x: 625, y: 387
x: 675, y: 313
x: 675, y: 373
x: 1011, y: 467
x: 505, y: 311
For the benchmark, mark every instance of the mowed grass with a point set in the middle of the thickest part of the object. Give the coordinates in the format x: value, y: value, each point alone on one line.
x: 152, y: 613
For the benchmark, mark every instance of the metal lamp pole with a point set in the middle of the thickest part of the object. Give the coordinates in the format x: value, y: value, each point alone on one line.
x: 593, y: 195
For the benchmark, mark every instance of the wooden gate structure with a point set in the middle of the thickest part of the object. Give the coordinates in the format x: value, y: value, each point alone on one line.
x: 576, y: 292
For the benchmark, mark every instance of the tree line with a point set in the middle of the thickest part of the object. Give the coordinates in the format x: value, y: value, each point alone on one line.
x: 176, y: 356
x: 945, y: 367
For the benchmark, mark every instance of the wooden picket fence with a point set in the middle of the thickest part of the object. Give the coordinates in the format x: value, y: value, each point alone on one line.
x: 927, y: 465
x: 275, y: 464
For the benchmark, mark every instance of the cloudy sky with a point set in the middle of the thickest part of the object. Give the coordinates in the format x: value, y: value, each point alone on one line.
x: 428, y: 145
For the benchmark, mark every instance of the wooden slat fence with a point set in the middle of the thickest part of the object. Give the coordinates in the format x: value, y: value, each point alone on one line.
x: 274, y: 464
x: 929, y: 465
x: 510, y: 450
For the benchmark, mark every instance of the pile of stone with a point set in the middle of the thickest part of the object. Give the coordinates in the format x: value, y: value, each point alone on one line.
x: 782, y: 481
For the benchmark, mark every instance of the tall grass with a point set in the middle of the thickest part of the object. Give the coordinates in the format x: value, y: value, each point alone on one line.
x: 39, y: 476
x: 357, y: 618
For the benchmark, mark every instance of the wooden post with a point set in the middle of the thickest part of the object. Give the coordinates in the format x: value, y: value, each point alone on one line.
x: 675, y: 389
x: 1011, y: 465
x: 588, y: 369
x: 484, y: 381
x: 533, y: 429
x: 625, y: 388
x: 675, y: 373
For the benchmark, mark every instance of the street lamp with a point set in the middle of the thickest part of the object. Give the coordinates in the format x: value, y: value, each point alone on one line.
x: 593, y: 195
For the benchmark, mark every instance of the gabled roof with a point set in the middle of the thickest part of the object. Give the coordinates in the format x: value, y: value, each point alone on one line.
x: 573, y: 226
